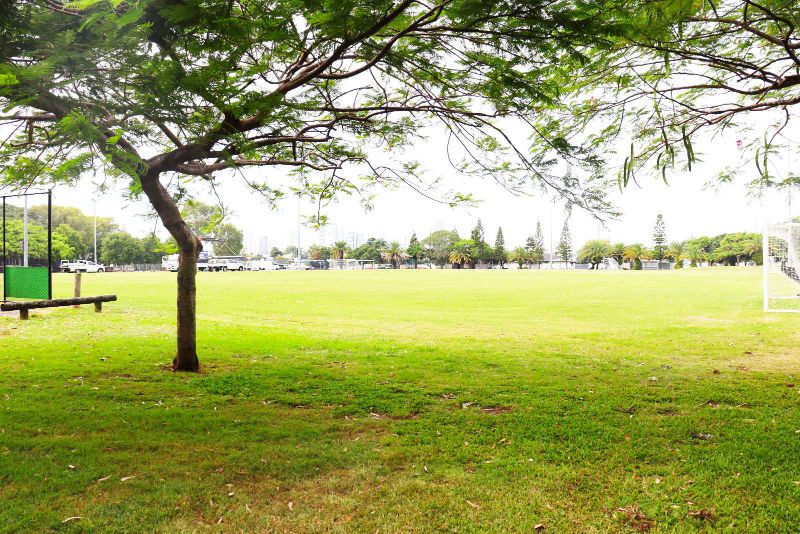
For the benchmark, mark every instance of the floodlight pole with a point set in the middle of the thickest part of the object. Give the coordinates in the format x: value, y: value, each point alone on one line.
x: 95, y: 230
x: 298, y: 228
x: 765, y: 265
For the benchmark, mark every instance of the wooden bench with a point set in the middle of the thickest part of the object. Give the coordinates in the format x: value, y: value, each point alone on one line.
x: 25, y: 307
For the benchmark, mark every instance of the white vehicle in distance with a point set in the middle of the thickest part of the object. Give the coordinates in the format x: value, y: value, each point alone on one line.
x: 299, y: 266
x: 226, y: 263
x: 170, y: 263
x: 202, y: 261
x: 81, y: 266
x: 264, y: 265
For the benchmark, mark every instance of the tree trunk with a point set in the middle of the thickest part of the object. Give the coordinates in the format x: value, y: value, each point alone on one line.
x: 186, y: 357
x: 189, y: 249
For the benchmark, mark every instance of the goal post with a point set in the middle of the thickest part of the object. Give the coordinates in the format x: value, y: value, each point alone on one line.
x: 781, y: 248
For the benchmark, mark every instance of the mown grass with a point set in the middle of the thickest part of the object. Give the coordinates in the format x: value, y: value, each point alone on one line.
x: 406, y: 402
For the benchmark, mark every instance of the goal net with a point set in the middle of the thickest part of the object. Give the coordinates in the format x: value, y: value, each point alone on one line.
x: 782, y: 267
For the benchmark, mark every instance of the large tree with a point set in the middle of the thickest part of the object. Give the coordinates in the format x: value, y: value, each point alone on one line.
x: 394, y: 254
x: 436, y: 247
x: 659, y: 238
x: 414, y: 250
x: 339, y: 250
x: 121, y: 248
x: 500, y: 254
x: 594, y: 252
x: 462, y: 253
x: 564, y: 247
x: 166, y: 94
x: 228, y: 240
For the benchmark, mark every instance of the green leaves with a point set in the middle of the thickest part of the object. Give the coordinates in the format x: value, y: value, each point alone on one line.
x: 687, y: 144
x: 130, y: 16
x: 7, y: 79
x: 627, y: 170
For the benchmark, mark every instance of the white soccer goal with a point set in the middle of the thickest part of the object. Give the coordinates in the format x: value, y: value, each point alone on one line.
x: 782, y: 267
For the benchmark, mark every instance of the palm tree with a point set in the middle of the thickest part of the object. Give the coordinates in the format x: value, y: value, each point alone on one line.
x: 462, y: 253
x: 635, y: 254
x: 339, y: 250
x: 618, y: 252
x: 694, y: 253
x: 394, y: 254
x: 676, y: 251
x: 593, y: 252
x: 520, y: 255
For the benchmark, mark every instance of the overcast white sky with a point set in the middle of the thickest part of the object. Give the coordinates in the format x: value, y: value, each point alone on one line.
x: 689, y: 209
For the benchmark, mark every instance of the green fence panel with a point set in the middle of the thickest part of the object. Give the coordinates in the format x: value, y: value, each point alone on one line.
x: 27, y: 282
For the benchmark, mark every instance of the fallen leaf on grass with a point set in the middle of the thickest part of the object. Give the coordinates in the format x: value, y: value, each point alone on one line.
x: 476, y: 506
x: 103, y: 479
x: 494, y: 410
x: 73, y: 518
x: 123, y: 479
x: 290, y: 504
x: 636, y: 519
x: 701, y: 514
x: 539, y: 526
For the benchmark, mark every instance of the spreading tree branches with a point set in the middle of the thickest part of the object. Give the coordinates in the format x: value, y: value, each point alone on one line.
x: 684, y: 72
x: 159, y: 89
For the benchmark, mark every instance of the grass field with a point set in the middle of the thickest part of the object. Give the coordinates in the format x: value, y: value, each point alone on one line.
x: 469, y: 401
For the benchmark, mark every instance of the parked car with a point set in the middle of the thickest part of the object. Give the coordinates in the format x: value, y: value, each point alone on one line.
x: 170, y: 263
x: 226, y: 264
x: 81, y: 266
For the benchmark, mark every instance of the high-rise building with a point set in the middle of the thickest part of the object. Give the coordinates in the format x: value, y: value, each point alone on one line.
x: 263, y: 245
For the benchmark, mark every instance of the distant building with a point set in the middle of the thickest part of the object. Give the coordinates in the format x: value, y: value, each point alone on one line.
x: 263, y: 246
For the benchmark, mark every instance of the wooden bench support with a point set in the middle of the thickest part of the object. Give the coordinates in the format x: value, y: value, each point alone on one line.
x: 25, y: 307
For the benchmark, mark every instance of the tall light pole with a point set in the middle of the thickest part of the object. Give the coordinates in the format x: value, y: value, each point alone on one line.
x: 95, y: 230
x: 298, y: 228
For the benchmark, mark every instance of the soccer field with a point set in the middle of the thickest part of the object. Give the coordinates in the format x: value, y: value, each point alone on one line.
x: 406, y: 401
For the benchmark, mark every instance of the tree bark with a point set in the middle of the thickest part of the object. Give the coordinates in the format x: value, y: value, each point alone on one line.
x: 189, y: 249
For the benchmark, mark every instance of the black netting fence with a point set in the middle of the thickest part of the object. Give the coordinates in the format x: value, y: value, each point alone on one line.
x: 26, y: 258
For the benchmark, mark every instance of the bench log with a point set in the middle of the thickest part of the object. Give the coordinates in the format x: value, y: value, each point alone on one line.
x: 24, y: 307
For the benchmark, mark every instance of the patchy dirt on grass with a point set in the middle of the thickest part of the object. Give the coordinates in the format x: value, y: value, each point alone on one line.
x: 634, y: 518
